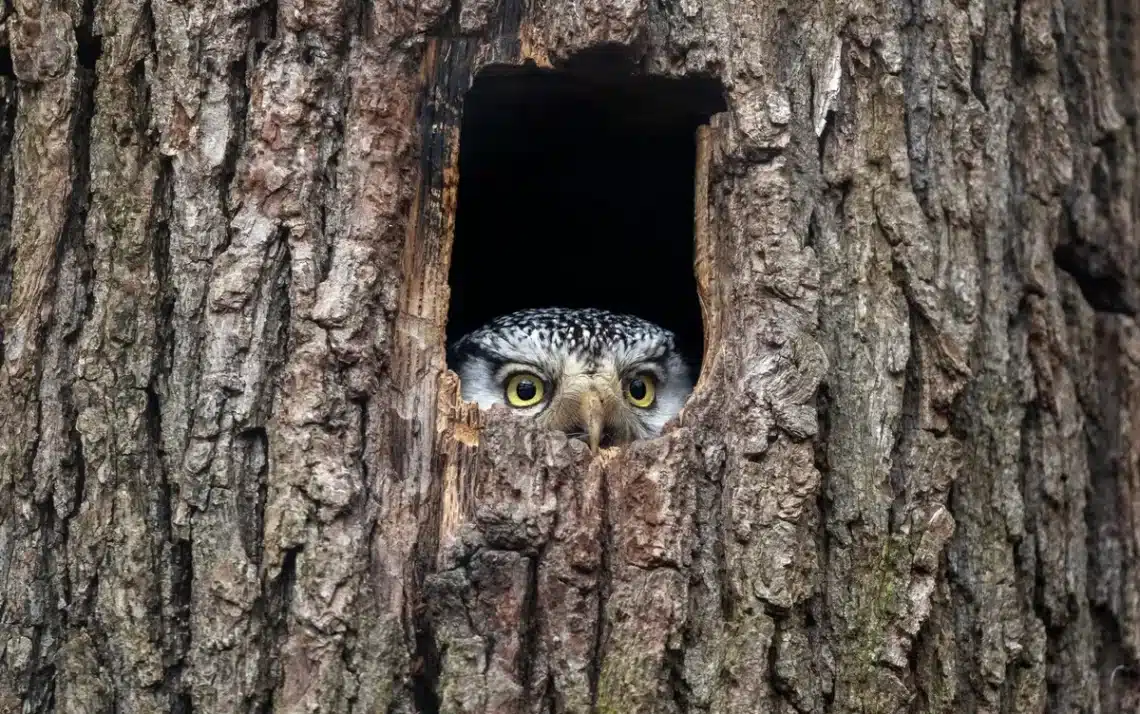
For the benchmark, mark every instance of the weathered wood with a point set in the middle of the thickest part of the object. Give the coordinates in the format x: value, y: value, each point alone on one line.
x: 235, y: 475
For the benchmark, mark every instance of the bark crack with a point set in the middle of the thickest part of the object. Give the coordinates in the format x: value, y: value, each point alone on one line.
x: 54, y: 529
x: 274, y: 604
x: 9, y: 105
x: 425, y: 657
x: 605, y: 584
x: 240, y: 76
x: 531, y: 627
x: 1099, y: 277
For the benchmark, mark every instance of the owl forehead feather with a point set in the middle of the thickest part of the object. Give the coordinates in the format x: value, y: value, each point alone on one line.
x: 588, y: 332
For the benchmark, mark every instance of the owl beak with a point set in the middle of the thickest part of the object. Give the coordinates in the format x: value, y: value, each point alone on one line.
x: 593, y: 413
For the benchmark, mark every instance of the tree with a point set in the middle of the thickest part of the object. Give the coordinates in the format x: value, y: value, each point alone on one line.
x: 236, y: 476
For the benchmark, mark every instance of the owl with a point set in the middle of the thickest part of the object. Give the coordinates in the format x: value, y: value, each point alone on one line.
x: 602, y: 376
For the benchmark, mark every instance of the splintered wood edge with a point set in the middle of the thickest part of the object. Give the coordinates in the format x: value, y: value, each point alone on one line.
x: 531, y: 48
x: 458, y: 428
x: 457, y: 423
x: 704, y: 261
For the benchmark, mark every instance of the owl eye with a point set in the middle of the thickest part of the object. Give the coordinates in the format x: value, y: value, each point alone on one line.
x: 640, y: 391
x: 524, y: 390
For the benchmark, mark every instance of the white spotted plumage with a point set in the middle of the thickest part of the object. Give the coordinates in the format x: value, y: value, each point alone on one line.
x: 573, y: 351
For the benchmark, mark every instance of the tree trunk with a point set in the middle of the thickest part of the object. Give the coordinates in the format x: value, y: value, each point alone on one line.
x: 235, y: 475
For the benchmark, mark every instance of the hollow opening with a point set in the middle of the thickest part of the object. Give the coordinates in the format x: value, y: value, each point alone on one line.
x: 576, y: 189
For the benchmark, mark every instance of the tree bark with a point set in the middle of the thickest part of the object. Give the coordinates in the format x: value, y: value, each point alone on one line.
x: 235, y: 475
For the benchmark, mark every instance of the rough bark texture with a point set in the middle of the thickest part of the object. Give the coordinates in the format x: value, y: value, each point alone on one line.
x: 235, y: 476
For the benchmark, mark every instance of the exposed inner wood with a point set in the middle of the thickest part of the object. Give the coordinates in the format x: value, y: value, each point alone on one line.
x: 704, y: 260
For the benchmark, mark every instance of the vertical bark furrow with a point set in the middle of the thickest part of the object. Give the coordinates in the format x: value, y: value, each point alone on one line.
x: 176, y: 559
x: 1114, y: 543
x: 126, y: 508
x: 869, y: 583
x: 313, y: 498
x: 9, y: 106
x: 49, y: 105
x: 216, y: 458
x: 604, y: 584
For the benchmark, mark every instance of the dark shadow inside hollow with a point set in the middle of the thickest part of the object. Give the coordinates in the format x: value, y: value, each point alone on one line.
x: 576, y: 189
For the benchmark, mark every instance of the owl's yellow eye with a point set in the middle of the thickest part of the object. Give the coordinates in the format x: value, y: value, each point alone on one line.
x: 641, y: 391
x: 524, y: 390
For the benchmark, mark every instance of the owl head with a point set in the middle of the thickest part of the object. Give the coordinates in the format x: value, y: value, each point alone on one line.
x: 606, y: 377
